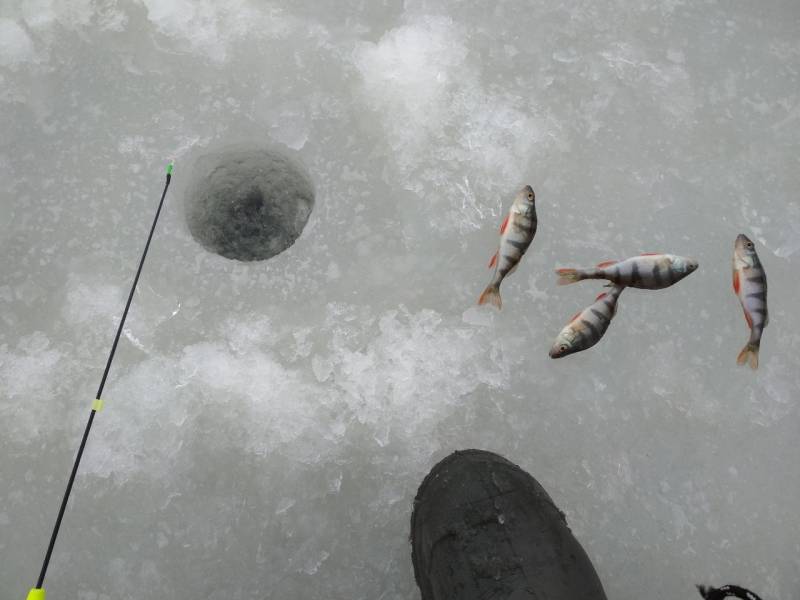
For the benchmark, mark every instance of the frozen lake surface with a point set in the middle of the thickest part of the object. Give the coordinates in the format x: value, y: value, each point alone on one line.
x: 267, y: 424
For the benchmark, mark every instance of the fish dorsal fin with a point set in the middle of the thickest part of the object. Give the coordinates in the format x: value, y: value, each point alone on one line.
x: 577, y: 314
x: 736, y: 284
x: 505, y: 224
x: 606, y: 263
x: 600, y: 296
x: 493, y: 262
x: 651, y: 253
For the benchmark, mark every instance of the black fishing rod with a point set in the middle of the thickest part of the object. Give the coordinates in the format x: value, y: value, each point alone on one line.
x: 38, y: 592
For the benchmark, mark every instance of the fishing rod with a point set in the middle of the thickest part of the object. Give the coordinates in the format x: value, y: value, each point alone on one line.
x: 38, y: 592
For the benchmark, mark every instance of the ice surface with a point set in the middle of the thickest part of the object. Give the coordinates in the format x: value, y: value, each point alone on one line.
x: 267, y: 424
x: 15, y: 45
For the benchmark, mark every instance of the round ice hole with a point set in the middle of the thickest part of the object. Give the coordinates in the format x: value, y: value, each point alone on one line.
x: 248, y: 204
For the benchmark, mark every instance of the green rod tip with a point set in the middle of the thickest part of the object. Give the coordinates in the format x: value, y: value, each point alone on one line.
x: 169, y: 169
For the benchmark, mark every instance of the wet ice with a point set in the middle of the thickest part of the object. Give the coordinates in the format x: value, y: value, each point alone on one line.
x: 266, y: 425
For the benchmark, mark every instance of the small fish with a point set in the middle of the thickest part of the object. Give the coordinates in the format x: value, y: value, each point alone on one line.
x: 516, y: 234
x: 588, y: 326
x: 750, y: 285
x: 650, y: 271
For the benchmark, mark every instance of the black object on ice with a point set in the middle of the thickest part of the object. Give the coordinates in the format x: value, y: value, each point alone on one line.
x: 726, y: 591
x: 482, y: 528
x: 97, y: 404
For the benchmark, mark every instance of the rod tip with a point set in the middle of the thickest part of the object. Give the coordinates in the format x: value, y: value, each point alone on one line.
x: 37, y: 594
x: 169, y: 167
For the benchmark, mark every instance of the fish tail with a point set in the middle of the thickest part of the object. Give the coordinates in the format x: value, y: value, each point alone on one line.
x: 749, y: 353
x: 567, y: 276
x: 491, y: 294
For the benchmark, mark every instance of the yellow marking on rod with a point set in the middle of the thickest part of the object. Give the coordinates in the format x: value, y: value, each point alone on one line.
x: 97, y: 405
x: 37, y: 594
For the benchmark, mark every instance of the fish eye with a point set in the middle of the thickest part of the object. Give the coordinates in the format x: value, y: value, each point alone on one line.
x: 563, y: 347
x: 749, y: 245
x: 530, y: 196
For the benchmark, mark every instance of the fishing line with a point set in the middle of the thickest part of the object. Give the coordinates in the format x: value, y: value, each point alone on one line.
x: 38, y: 593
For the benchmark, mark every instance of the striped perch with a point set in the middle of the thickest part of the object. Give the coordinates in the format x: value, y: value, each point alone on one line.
x: 588, y: 326
x: 516, y: 234
x: 650, y: 271
x: 750, y: 285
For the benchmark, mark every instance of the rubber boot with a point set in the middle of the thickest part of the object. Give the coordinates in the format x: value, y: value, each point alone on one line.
x: 482, y: 529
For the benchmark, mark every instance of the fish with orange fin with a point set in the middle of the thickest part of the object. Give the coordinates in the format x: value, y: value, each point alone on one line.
x: 588, y: 326
x: 516, y: 235
x: 650, y: 271
x: 750, y: 285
